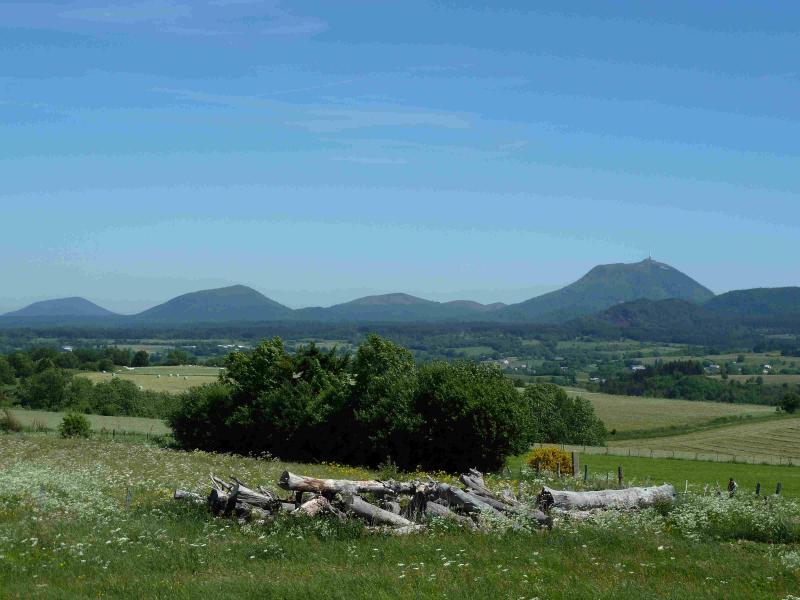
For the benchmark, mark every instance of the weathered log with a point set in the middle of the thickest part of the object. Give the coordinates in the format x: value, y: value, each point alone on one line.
x: 219, y: 484
x: 188, y: 496
x: 475, y: 485
x: 299, y: 483
x: 415, y: 509
x: 435, y: 509
x: 371, y: 513
x: 635, y: 497
x: 218, y: 501
x: 392, y: 506
x: 247, y: 512
x: 464, y: 500
x: 242, y: 493
x: 318, y: 505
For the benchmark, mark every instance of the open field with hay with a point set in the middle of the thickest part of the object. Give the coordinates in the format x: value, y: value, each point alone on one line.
x: 160, y: 379
x: 95, y: 519
x: 637, y: 413
x: 768, y: 440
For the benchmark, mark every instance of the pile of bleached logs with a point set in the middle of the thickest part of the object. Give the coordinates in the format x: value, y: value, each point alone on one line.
x: 403, y: 507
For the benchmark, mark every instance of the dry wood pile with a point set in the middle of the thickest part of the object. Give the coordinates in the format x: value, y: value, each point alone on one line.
x: 403, y: 506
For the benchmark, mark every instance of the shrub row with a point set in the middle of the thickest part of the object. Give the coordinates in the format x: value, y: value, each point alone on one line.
x: 378, y: 405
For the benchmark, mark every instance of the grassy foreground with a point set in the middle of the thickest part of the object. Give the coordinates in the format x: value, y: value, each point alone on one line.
x: 95, y: 519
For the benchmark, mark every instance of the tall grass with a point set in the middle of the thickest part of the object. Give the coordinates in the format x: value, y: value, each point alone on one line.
x: 89, y: 518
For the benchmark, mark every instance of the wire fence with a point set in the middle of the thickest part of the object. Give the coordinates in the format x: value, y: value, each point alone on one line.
x: 722, y: 457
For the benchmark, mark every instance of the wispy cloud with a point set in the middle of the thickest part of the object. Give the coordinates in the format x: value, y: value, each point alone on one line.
x: 515, y: 145
x: 152, y: 11
x: 370, y: 160
x: 317, y: 119
x: 297, y: 27
x: 217, y: 17
x: 333, y: 120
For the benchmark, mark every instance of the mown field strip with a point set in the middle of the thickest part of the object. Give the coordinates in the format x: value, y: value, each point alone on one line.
x: 768, y: 379
x: 634, y: 413
x: 771, y: 442
x: 51, y: 420
x: 160, y: 379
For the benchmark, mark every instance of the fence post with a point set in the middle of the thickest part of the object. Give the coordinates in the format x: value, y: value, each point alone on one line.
x: 585, y: 473
x: 576, y: 464
x: 758, y: 488
x: 558, y: 470
x: 779, y: 489
x: 620, y: 476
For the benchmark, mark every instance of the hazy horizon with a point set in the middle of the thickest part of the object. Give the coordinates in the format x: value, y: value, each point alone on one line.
x: 448, y: 150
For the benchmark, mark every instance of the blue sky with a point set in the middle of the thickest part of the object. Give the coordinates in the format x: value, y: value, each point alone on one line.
x: 323, y: 150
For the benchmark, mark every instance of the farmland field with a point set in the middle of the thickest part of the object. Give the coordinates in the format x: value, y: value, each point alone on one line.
x: 770, y: 440
x: 636, y: 413
x: 699, y: 473
x: 161, y: 379
x: 51, y: 420
x: 768, y: 379
x: 96, y: 519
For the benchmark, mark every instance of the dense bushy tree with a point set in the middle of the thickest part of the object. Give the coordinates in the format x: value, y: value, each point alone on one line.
x: 471, y: 415
x: 46, y: 390
x: 383, y: 400
x: 790, y: 402
x: 43, y: 364
x: 67, y: 360
x: 22, y: 364
x: 557, y: 417
x: 140, y: 359
x: 7, y: 373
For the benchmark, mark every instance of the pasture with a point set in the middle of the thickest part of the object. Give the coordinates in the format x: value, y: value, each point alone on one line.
x: 160, y: 379
x: 90, y: 518
x: 41, y: 419
x: 772, y: 440
x: 700, y: 474
x: 639, y: 414
x: 767, y: 379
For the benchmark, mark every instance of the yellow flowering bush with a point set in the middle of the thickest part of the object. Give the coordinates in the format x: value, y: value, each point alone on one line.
x: 549, y: 459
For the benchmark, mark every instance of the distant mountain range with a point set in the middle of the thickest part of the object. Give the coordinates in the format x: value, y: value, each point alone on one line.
x: 642, y: 295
